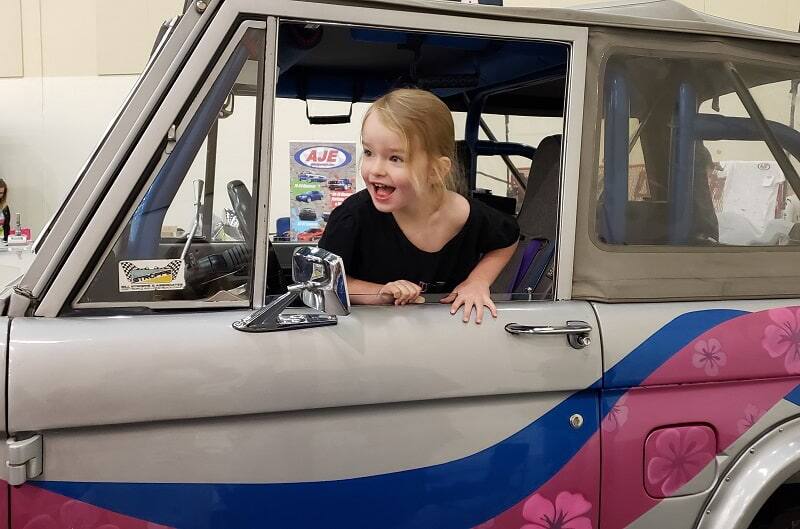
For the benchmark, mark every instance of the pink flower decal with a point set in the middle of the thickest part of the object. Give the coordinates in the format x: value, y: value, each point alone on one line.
x: 617, y: 415
x: 709, y: 356
x: 674, y: 456
x: 751, y: 416
x: 566, y: 513
x: 783, y: 338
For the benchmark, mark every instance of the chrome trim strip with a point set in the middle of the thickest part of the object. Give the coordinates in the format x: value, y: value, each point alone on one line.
x: 570, y: 164
x: 265, y: 164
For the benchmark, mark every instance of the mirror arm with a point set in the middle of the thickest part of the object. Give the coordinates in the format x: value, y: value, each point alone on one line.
x: 320, y: 284
x: 270, y: 317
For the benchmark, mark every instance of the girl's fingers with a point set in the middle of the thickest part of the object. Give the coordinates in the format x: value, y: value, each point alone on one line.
x: 478, y: 312
x: 416, y: 289
x: 456, y: 304
x: 468, y: 311
x: 407, y: 292
x: 490, y: 304
x: 449, y: 298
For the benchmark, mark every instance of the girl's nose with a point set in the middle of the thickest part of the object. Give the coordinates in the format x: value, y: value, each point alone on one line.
x: 378, y: 167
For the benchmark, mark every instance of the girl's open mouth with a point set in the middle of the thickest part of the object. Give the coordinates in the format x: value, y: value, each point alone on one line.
x: 382, y: 192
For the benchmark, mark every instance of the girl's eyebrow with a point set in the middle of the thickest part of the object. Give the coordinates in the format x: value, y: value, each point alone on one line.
x: 399, y: 150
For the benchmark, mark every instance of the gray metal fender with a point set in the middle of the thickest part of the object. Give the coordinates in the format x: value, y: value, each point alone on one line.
x: 761, y: 468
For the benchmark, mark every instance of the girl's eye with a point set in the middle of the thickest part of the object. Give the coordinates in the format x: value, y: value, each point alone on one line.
x: 396, y: 159
x: 367, y: 152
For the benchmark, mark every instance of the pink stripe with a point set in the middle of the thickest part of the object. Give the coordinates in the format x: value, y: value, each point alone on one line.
x: 760, y: 350
x: 36, y: 508
x: 572, y: 494
x: 729, y: 409
x: 759, y: 345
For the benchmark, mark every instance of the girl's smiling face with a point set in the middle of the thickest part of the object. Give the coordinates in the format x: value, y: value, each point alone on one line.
x: 385, y: 167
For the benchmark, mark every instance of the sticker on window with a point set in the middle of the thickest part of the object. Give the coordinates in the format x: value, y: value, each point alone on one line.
x: 152, y: 274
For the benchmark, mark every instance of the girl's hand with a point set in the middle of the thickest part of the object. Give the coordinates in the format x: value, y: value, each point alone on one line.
x: 403, y: 292
x: 471, y: 294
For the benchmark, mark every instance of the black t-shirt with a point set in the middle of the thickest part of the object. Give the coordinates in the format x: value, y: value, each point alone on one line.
x: 375, y: 249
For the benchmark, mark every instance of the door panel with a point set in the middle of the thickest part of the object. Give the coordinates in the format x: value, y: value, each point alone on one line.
x: 402, y: 417
x: 203, y: 367
x: 669, y: 368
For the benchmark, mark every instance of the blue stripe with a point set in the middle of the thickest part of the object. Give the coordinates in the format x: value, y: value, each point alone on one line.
x: 794, y: 396
x: 455, y: 495
x: 663, y: 344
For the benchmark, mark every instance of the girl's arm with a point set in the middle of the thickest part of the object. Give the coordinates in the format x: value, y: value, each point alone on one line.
x: 474, y: 291
x: 397, y: 292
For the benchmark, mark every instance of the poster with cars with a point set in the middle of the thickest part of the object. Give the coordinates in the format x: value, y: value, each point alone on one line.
x: 322, y: 175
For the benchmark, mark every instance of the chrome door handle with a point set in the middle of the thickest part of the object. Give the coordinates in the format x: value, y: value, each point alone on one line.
x: 577, y: 332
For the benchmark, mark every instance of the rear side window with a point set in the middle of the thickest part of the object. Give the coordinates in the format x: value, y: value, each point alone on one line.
x: 698, y: 152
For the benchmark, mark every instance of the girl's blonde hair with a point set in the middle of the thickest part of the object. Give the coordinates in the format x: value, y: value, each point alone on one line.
x: 425, y: 124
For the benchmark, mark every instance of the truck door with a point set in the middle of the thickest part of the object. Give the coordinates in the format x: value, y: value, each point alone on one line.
x: 155, y: 412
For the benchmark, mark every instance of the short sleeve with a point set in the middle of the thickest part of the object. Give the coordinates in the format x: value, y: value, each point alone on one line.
x: 340, y: 234
x: 498, y: 230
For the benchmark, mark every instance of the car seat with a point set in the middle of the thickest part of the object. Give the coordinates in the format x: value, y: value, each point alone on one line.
x: 538, y: 224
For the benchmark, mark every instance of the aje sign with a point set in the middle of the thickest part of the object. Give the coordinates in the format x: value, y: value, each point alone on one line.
x: 322, y: 157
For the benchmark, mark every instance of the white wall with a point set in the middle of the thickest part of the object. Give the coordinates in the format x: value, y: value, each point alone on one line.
x: 65, y: 69
x: 48, y: 128
x: 78, y: 60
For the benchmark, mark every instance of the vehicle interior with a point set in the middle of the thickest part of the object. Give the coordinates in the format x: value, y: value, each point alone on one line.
x: 483, y: 81
x: 671, y: 113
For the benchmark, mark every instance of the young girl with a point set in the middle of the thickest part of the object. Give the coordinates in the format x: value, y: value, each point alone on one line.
x: 408, y: 233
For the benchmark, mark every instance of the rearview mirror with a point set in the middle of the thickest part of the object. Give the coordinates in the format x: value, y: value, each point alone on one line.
x: 320, y: 282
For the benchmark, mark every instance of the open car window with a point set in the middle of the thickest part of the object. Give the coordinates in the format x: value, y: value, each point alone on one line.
x: 191, y: 235
x: 329, y: 74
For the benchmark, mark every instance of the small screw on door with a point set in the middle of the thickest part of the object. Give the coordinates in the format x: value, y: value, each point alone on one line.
x: 576, y: 420
x: 200, y: 6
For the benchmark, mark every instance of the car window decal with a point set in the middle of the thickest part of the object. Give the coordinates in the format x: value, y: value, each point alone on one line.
x: 151, y: 274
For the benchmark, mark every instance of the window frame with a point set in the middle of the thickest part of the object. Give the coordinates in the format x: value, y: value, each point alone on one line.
x: 615, y: 52
x: 185, y: 117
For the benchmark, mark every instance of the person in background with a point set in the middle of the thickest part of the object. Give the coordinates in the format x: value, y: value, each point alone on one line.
x: 5, y: 214
x: 706, y: 224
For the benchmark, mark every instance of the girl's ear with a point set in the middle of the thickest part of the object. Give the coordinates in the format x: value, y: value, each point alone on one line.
x: 443, y: 167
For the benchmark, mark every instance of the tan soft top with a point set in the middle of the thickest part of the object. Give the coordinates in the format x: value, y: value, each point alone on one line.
x: 658, y: 15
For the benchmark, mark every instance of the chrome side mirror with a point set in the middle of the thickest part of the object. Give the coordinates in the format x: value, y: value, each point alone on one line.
x: 319, y: 281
